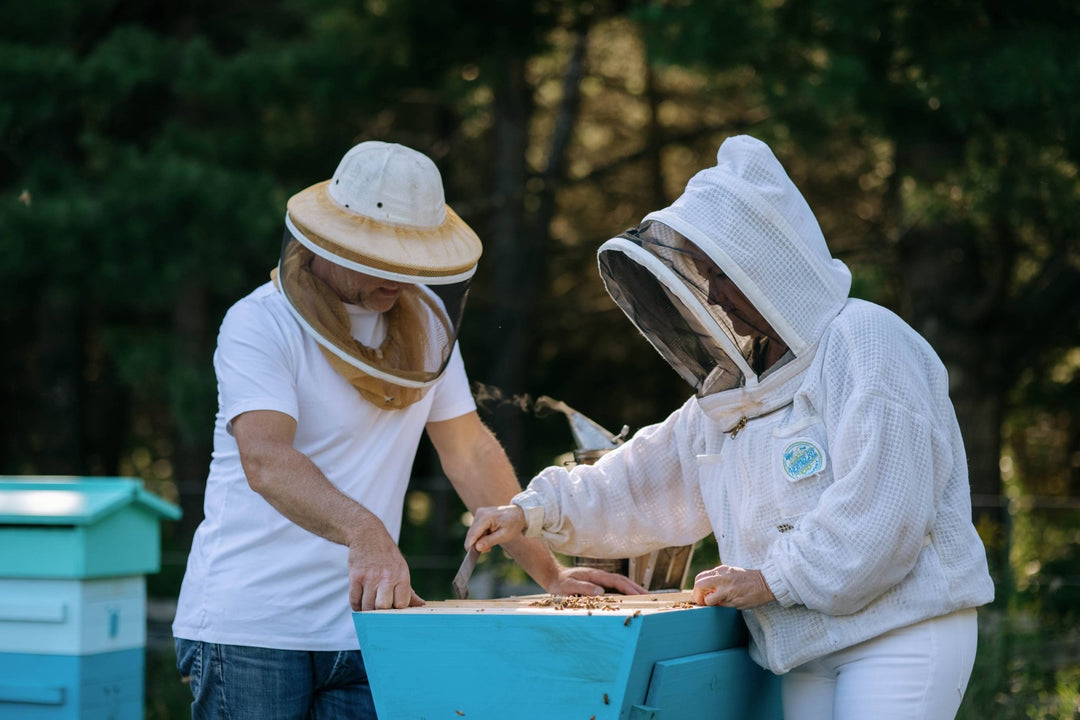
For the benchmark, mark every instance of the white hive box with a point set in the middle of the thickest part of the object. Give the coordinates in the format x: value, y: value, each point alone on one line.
x: 72, y: 617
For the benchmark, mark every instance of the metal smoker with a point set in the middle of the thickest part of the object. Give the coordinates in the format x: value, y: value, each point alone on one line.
x: 663, y: 569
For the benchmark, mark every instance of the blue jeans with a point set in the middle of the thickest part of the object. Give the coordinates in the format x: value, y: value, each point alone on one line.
x: 234, y: 682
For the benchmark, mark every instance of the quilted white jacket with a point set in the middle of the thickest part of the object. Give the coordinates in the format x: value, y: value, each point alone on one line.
x: 847, y: 486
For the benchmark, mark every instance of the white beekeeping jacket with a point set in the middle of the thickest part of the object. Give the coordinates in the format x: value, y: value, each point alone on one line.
x: 820, y: 447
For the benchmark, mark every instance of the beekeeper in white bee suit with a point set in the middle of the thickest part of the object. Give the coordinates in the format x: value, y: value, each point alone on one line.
x: 820, y: 447
x: 328, y: 375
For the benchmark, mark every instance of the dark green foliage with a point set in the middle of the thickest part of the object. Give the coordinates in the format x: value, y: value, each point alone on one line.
x: 147, y: 151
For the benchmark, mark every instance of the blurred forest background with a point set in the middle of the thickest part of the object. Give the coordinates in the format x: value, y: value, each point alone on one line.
x: 147, y: 150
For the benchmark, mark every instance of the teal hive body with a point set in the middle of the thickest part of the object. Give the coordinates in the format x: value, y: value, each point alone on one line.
x: 509, y: 659
x: 74, y: 553
x: 108, y: 686
x: 79, y: 527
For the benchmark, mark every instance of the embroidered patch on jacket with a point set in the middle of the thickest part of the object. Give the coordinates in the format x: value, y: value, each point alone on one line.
x: 802, y: 458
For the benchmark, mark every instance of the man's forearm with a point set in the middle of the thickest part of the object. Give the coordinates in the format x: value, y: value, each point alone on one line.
x: 297, y: 489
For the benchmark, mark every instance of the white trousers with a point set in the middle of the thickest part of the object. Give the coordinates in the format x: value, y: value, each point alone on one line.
x: 918, y: 672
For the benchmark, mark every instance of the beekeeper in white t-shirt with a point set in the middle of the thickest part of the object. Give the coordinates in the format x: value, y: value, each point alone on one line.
x: 327, y: 377
x: 820, y: 447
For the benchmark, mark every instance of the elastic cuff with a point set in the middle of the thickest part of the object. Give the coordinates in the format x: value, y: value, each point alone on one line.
x: 534, y: 516
x: 777, y: 585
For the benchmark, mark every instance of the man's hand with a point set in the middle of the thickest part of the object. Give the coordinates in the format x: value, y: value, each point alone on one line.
x: 493, y: 526
x: 288, y: 480
x: 732, y: 587
x: 378, y: 574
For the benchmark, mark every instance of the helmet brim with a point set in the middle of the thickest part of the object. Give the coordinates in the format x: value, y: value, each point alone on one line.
x: 449, y: 250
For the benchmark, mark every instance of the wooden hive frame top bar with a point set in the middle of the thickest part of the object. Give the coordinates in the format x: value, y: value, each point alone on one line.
x: 570, y: 605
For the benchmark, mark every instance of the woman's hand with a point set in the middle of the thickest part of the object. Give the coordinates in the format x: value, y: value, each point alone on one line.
x: 592, y: 581
x: 504, y: 524
x: 732, y: 587
x: 494, y: 526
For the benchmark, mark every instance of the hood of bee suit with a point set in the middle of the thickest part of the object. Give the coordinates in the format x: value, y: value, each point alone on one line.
x: 733, y: 283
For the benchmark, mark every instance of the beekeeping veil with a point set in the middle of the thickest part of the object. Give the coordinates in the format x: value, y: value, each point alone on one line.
x: 382, y: 214
x: 741, y: 234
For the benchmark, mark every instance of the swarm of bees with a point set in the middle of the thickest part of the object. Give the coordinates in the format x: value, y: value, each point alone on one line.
x: 577, y: 602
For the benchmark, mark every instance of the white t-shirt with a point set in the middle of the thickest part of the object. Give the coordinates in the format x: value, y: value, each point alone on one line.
x: 254, y: 577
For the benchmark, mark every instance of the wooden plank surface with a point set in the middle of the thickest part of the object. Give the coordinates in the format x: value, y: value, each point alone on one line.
x: 543, y: 604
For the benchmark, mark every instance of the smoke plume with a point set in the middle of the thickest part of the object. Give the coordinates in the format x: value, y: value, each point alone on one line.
x: 489, y: 398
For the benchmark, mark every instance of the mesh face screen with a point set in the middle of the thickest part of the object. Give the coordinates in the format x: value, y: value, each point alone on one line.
x: 420, y: 327
x: 714, y: 291
x: 676, y: 332
x: 686, y: 327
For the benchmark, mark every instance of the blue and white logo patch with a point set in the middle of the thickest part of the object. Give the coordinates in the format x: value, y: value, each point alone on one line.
x: 802, y: 458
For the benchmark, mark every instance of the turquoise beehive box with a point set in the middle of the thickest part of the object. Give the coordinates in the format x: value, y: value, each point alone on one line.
x: 79, y: 527
x: 74, y: 553
x: 652, y: 657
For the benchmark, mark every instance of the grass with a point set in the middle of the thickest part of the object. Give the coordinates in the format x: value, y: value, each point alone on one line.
x: 1025, y: 669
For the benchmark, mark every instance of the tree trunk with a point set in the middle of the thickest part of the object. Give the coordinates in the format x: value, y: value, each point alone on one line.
x: 654, y: 138
x: 56, y: 435
x: 191, y: 457
x: 506, y: 251
x: 520, y: 233
x: 951, y: 300
x: 106, y: 405
x: 933, y: 287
